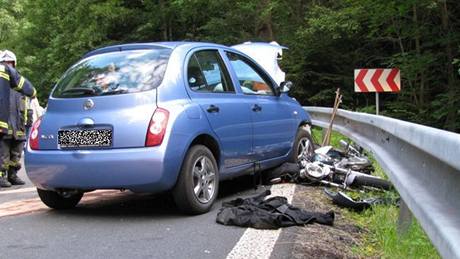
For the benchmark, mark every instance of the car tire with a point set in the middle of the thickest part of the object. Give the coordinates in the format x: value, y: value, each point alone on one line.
x: 198, y: 183
x: 303, y: 140
x: 55, y: 200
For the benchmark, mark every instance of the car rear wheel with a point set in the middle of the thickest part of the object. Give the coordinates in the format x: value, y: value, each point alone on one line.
x: 55, y: 200
x: 198, y: 182
x: 303, y: 147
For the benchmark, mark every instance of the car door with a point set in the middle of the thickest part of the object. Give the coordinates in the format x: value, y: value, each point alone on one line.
x: 211, y: 87
x: 273, y: 121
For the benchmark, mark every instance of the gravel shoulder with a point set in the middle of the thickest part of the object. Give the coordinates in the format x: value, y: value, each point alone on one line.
x: 315, y: 240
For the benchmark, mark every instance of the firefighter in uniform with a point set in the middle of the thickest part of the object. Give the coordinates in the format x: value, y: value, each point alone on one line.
x: 14, y: 89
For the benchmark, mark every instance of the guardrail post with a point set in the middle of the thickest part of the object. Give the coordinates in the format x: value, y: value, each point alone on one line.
x: 405, y: 218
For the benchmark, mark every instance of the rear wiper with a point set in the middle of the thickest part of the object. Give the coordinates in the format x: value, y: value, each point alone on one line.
x: 119, y: 91
x: 80, y: 89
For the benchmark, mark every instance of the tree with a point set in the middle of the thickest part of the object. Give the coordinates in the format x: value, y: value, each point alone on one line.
x: 10, y: 21
x: 327, y: 40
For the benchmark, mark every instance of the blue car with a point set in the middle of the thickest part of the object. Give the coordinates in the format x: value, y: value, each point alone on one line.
x: 168, y: 116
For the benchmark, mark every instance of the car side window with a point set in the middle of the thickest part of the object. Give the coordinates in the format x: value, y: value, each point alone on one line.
x: 251, y: 79
x: 207, y: 73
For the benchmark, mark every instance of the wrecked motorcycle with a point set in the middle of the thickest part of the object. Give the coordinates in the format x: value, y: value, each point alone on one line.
x: 336, y: 176
x: 351, y: 157
x: 348, y: 168
x: 332, y: 167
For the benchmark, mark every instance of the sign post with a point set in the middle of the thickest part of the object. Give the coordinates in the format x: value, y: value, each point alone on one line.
x: 377, y: 104
x: 377, y: 80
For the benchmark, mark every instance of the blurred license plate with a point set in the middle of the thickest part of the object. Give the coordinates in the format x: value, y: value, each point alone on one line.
x: 85, y: 138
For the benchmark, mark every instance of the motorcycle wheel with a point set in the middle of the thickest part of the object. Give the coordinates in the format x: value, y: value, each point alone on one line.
x: 372, y: 181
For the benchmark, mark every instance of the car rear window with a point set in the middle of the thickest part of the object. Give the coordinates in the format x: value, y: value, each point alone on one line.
x: 114, y: 73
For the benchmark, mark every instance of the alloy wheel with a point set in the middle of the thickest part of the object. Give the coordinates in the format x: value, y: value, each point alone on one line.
x: 303, y: 149
x: 204, y: 179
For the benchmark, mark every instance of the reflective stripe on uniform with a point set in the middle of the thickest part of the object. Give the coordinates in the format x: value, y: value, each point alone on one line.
x: 34, y: 94
x: 7, y: 165
x: 5, y: 75
x: 21, y: 84
x: 26, y: 107
x: 2, y: 68
x: 14, y: 165
x: 3, y: 125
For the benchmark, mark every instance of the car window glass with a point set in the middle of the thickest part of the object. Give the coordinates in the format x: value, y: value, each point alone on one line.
x: 114, y: 73
x: 251, y: 80
x: 206, y: 73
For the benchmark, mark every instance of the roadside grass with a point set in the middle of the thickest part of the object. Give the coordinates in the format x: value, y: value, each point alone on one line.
x: 317, y: 135
x: 380, y: 236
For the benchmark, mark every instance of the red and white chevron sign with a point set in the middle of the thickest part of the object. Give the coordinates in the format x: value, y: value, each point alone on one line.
x: 377, y: 80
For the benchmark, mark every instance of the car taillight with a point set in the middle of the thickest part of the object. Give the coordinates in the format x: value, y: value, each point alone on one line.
x: 157, y: 128
x: 34, y: 133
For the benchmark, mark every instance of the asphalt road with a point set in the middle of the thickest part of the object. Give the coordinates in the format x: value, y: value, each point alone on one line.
x: 114, y: 224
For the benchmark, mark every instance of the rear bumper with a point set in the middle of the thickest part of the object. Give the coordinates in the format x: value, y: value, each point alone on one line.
x: 136, y: 169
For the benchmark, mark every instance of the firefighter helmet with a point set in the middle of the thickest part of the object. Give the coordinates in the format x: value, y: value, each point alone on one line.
x: 8, y: 56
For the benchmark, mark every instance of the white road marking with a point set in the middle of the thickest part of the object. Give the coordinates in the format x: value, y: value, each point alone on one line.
x: 256, y: 243
x: 22, y: 190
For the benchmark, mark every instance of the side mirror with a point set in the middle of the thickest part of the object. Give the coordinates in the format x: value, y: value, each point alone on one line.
x: 285, y: 86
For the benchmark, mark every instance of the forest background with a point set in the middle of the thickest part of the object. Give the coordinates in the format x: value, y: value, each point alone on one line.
x: 327, y: 40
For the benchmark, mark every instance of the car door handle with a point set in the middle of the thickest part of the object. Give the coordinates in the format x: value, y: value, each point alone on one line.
x: 256, y: 108
x: 212, y: 108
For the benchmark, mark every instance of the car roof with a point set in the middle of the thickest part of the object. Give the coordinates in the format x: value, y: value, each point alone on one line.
x: 149, y: 45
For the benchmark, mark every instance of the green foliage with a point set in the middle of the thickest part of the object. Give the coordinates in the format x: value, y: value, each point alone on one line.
x: 327, y: 40
x: 372, y: 34
x: 382, y: 240
x: 10, y: 21
x: 317, y: 135
x: 367, y: 109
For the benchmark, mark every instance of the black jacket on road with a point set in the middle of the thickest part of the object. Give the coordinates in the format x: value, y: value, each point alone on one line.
x: 11, y: 80
x: 272, y: 213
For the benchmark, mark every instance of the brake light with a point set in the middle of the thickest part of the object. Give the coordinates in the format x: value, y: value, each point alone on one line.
x: 34, y: 133
x: 157, y: 128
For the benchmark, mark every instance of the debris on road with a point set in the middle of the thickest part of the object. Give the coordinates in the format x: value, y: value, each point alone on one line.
x: 343, y: 200
x: 272, y: 213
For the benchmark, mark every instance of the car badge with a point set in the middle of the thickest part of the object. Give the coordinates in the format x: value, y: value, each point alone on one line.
x: 51, y: 136
x: 88, y: 105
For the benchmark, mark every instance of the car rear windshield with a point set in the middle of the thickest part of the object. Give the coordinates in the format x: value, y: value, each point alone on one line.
x: 114, y: 73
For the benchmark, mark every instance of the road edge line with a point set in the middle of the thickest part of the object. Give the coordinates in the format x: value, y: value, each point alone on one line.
x: 257, y: 243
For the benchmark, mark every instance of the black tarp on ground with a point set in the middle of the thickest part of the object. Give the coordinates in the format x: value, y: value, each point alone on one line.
x: 272, y: 213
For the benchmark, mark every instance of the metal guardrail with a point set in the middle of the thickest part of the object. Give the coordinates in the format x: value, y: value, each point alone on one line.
x: 423, y: 163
